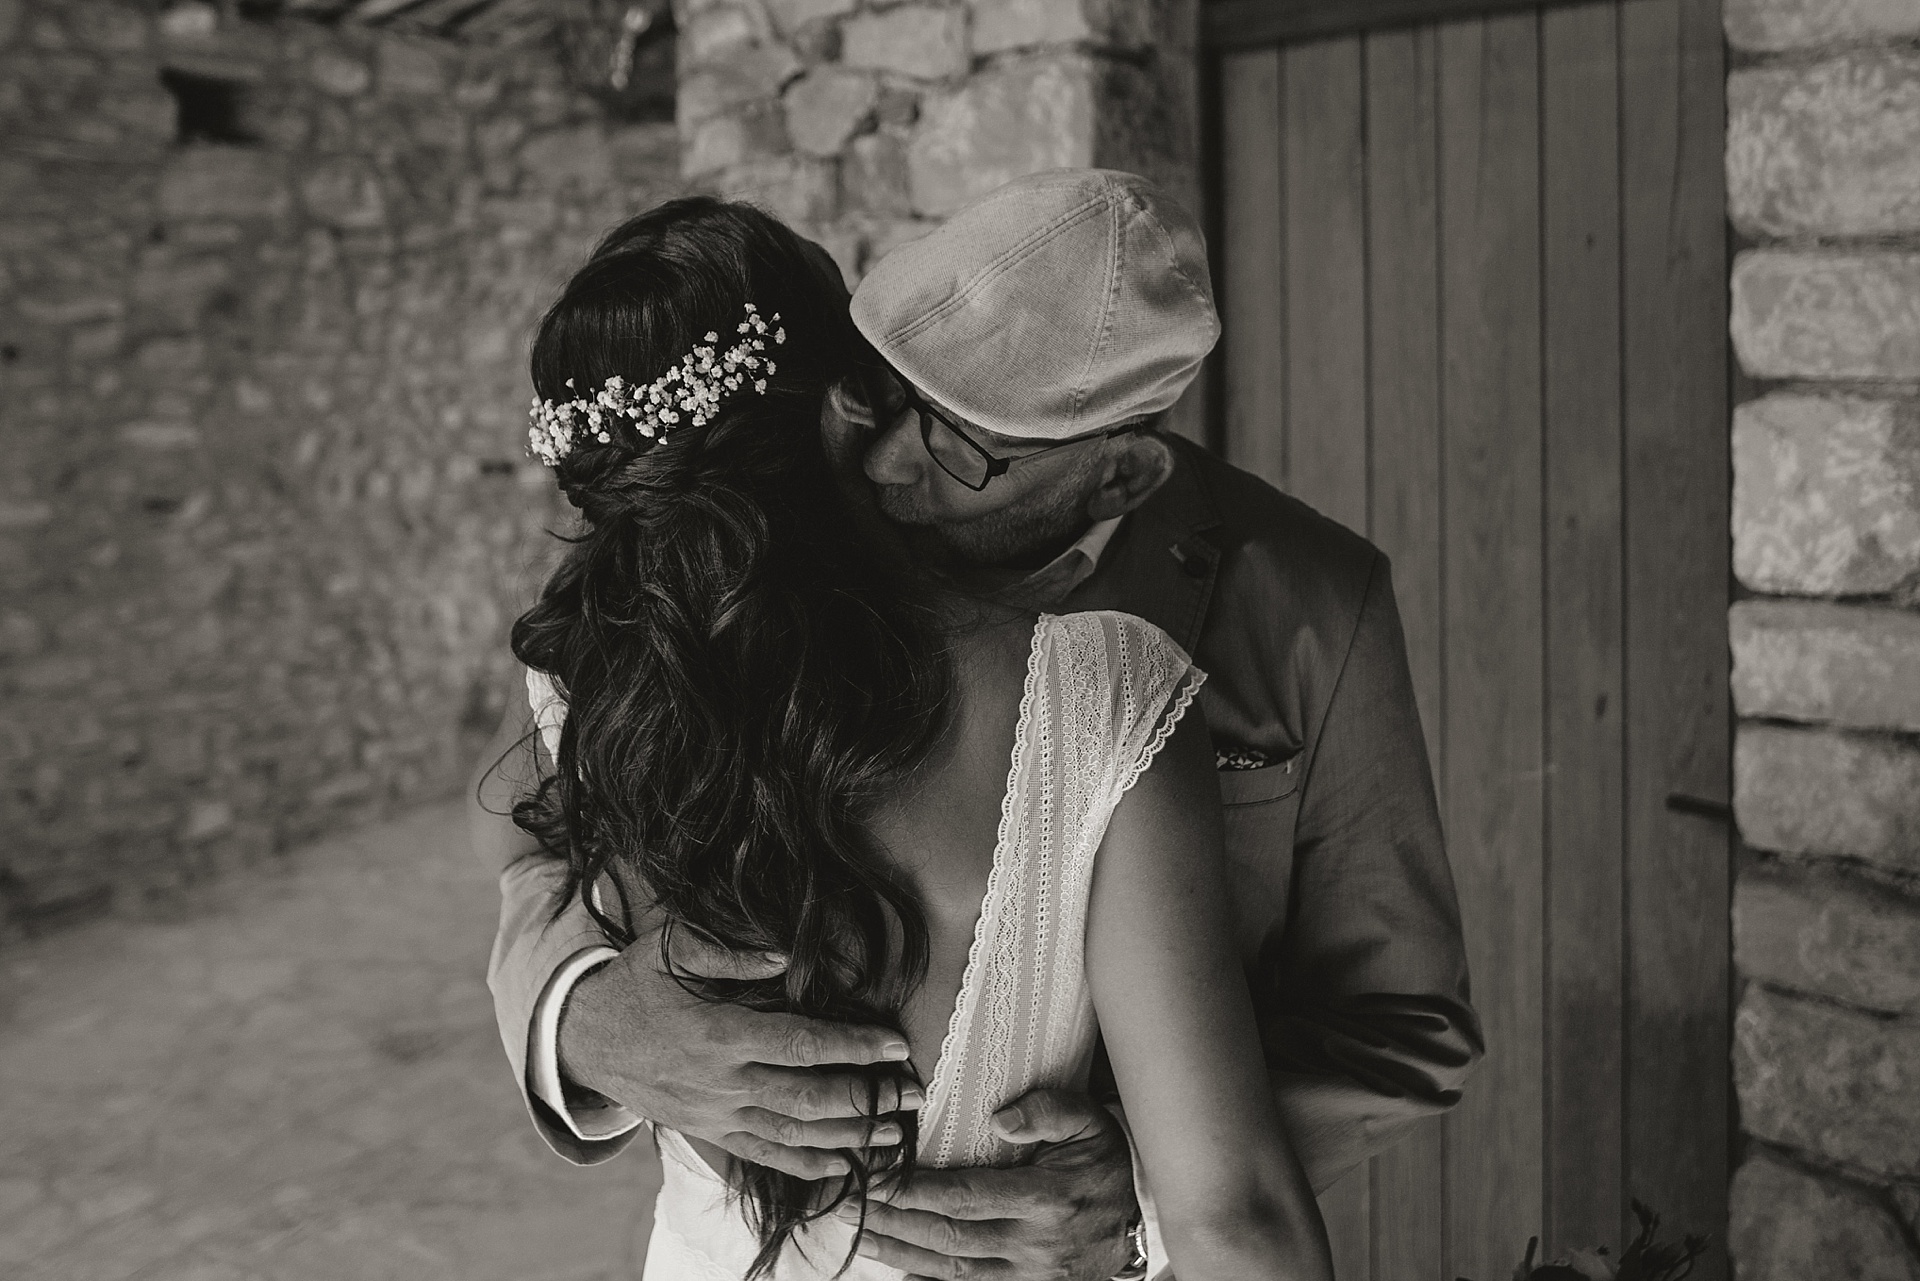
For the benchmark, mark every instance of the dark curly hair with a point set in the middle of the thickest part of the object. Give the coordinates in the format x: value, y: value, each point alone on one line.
x: 747, y: 667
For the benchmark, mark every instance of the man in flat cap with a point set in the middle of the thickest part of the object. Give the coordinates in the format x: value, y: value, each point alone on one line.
x: 1036, y: 342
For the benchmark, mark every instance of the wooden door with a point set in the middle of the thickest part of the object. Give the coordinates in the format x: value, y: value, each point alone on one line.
x: 1473, y: 278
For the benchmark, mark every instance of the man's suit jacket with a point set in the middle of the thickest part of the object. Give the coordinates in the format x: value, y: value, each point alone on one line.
x: 1347, y: 918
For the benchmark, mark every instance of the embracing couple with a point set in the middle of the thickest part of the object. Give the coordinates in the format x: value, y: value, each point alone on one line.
x: 979, y: 834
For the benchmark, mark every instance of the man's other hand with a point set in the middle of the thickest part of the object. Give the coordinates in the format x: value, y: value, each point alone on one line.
x: 1065, y: 1215
x: 757, y: 1084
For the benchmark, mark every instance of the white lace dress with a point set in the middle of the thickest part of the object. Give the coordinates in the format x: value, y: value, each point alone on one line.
x: 1103, y: 693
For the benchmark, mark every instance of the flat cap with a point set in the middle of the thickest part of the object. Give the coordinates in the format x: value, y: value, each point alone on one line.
x: 1059, y: 304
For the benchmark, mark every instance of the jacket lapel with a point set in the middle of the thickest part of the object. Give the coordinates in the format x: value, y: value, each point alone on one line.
x: 1163, y: 560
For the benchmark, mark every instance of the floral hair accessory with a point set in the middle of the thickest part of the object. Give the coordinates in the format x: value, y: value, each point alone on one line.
x: 691, y: 390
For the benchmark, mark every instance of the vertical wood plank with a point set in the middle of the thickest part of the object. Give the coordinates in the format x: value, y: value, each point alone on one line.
x: 1403, y: 291
x: 1580, y: 230
x: 1677, y: 720
x: 1346, y: 1209
x: 1326, y: 381
x: 1490, y: 300
x: 1254, y: 299
x: 1326, y: 317
x: 1403, y: 336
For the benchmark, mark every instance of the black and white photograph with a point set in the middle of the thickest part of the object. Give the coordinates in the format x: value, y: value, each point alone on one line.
x: 960, y: 640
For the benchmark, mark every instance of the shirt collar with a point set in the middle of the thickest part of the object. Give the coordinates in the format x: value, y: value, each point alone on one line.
x: 1053, y: 582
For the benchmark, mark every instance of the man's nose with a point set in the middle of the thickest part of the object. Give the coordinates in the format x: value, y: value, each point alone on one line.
x: 896, y: 456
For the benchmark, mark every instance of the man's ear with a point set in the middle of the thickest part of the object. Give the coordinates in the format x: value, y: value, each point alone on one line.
x: 1139, y: 465
x: 851, y: 400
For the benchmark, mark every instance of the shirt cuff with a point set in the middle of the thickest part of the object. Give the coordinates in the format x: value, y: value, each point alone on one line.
x: 1157, y: 1261
x: 591, y: 1117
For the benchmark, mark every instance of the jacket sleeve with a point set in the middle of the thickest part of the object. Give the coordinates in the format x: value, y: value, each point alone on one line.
x: 531, y: 944
x: 1367, y: 1025
x: 528, y: 949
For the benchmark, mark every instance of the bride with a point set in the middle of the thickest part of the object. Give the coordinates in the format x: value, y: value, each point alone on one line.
x: 995, y: 831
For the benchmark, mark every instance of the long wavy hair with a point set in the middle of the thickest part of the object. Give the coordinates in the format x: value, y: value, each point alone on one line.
x: 747, y: 669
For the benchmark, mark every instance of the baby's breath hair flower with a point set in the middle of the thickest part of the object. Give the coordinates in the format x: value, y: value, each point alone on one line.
x: 689, y: 391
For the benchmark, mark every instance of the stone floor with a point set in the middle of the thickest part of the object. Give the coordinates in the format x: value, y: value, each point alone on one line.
x: 300, y: 1082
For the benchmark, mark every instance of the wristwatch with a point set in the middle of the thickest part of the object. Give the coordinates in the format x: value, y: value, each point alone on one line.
x: 1136, y: 1268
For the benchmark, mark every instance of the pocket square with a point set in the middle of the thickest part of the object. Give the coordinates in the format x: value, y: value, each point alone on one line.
x: 1240, y: 758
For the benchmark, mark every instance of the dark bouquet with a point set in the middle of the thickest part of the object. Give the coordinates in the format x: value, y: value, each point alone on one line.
x: 1644, y: 1259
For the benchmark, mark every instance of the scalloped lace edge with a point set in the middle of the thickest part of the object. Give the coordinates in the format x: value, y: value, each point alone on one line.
x: 1190, y: 684
x: 942, y: 1083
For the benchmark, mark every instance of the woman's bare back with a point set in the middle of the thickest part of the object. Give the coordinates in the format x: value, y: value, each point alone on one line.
x: 941, y: 829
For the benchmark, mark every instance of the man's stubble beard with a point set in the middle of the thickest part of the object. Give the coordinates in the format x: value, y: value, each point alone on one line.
x: 1022, y: 535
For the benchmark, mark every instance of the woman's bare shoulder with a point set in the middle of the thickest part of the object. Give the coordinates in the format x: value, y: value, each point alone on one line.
x: 993, y: 646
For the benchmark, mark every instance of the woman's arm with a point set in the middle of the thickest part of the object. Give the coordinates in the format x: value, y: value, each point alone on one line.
x: 1232, y: 1198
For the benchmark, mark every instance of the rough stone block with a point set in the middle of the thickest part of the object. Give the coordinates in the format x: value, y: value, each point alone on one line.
x: 875, y: 176
x: 999, y: 25
x: 222, y: 182
x: 1004, y: 124
x: 24, y: 513
x: 96, y: 342
x: 797, y: 188
x: 750, y: 72
x: 172, y: 291
x: 1808, y: 791
x: 1768, y: 26
x: 1826, y: 494
x: 171, y: 356
x: 1789, y: 1225
x: 1854, y: 665
x: 1842, y: 1085
x: 791, y: 15
x: 1828, y: 932
x: 645, y: 153
x: 1906, y: 1199
x: 160, y: 435
x: 913, y: 40
x: 711, y: 35
x: 1829, y: 149
x: 578, y: 157
x: 111, y: 28
x: 1805, y: 314
x: 344, y: 192
x: 411, y: 68
x: 71, y: 309
x: 826, y: 107
x: 742, y: 137
x: 333, y: 72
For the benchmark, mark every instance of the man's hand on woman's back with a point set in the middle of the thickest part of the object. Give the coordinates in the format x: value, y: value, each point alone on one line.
x: 759, y: 1085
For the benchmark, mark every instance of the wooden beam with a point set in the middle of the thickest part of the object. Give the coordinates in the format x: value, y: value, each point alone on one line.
x: 506, y: 18
x: 1249, y: 24
x: 381, y: 10
x: 440, y: 16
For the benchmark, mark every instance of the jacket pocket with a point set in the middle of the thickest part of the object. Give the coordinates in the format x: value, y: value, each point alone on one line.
x: 1258, y: 786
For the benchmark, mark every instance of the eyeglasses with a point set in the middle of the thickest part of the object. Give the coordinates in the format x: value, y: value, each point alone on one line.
x: 965, y: 459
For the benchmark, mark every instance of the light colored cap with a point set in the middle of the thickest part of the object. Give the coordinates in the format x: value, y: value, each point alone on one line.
x: 1059, y: 304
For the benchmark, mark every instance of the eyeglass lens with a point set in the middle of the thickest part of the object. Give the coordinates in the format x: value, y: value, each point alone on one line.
x: 956, y: 456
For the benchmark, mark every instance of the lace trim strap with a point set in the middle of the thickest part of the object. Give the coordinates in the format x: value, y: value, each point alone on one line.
x: 1190, y: 683
x: 944, y: 1130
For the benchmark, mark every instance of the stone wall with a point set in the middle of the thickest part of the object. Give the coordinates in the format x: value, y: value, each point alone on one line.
x: 1823, y: 166
x: 866, y: 123
x: 262, y: 404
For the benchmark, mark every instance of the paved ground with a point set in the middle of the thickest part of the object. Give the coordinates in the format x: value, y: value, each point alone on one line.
x: 300, y: 1083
